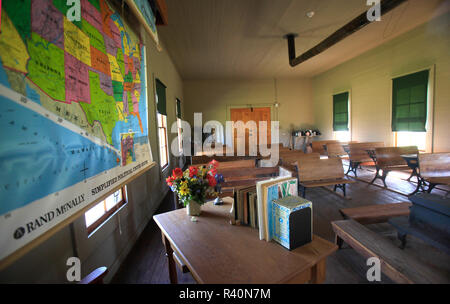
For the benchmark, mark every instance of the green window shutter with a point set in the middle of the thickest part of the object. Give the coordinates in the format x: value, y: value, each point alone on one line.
x: 409, y: 102
x: 340, y: 112
x: 161, y: 97
x: 178, y: 108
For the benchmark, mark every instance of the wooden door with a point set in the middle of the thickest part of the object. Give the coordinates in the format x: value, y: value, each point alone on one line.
x: 251, y: 114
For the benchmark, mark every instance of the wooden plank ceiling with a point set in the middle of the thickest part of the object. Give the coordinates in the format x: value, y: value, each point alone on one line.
x: 242, y: 39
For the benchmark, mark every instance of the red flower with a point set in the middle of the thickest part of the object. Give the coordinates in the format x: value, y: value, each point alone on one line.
x: 214, y: 163
x: 193, y: 171
x: 169, y: 181
x: 177, y: 173
x: 213, y: 172
x: 212, y: 181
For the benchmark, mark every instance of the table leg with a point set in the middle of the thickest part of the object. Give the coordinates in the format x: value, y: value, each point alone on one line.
x: 318, y: 272
x: 170, y: 261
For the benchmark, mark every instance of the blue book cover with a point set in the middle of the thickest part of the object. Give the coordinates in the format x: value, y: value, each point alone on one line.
x: 272, y: 194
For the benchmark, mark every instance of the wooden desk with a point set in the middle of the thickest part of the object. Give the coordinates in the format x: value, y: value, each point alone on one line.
x: 216, y: 252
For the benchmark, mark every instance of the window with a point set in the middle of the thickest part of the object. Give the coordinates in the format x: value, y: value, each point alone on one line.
x: 409, y: 102
x: 419, y: 139
x: 409, y: 109
x: 161, y: 117
x: 340, y: 112
x: 179, y: 129
x: 102, y: 211
x: 342, y: 136
x: 341, y: 117
x: 162, y: 135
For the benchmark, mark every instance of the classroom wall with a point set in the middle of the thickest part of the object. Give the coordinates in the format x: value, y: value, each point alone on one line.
x: 214, y: 98
x: 368, y: 77
x: 110, y: 244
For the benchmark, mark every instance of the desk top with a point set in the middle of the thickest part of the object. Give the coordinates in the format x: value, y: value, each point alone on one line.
x: 217, y: 252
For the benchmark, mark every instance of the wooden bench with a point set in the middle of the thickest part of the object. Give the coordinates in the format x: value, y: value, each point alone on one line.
x: 336, y: 150
x: 358, y: 155
x: 196, y: 160
x: 249, y: 176
x: 390, y: 159
x: 434, y: 170
x: 291, y: 161
x: 317, y: 146
x: 247, y: 163
x: 373, y: 214
x: 322, y: 172
x: 397, y: 264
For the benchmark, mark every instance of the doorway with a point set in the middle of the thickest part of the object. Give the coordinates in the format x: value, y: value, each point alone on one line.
x: 247, y: 115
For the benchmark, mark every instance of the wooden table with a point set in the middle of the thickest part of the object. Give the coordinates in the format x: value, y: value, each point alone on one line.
x: 216, y: 252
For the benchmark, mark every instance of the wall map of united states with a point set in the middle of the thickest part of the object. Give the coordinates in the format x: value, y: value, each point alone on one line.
x: 83, y: 93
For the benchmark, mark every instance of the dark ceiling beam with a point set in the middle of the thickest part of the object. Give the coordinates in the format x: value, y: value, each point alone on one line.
x: 348, y: 29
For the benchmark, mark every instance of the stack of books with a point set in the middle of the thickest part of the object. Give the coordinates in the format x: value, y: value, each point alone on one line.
x: 253, y: 205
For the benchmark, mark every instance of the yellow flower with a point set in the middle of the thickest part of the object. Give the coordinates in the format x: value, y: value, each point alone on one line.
x: 203, y: 171
x: 184, y: 189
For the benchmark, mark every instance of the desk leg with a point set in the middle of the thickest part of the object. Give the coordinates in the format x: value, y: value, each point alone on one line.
x: 170, y: 261
x: 318, y: 272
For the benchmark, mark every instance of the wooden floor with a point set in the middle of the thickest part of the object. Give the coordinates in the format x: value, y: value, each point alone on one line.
x: 147, y: 264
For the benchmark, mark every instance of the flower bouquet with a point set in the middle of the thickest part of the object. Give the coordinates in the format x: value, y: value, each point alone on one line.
x: 195, y: 185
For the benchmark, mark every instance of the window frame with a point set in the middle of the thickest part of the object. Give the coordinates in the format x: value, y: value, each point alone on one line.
x: 108, y: 214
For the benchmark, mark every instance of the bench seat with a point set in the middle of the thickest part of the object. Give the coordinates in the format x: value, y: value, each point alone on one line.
x: 373, y: 214
x: 329, y: 182
x: 397, y: 264
x: 320, y: 173
x: 438, y: 180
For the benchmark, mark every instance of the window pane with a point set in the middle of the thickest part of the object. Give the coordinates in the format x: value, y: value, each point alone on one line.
x: 343, y: 136
x: 159, y: 118
x: 418, y: 139
x: 113, y: 200
x: 94, y: 213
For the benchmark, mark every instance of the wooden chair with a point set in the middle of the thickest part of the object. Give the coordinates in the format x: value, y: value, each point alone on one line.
x: 317, y: 146
x: 336, y: 150
x: 389, y: 159
x: 95, y: 277
x: 434, y: 170
x: 322, y: 172
x: 358, y: 155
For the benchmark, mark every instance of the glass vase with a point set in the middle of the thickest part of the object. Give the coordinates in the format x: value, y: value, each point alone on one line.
x: 193, y: 208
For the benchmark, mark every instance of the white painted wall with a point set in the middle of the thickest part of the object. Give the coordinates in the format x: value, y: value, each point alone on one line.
x: 368, y: 77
